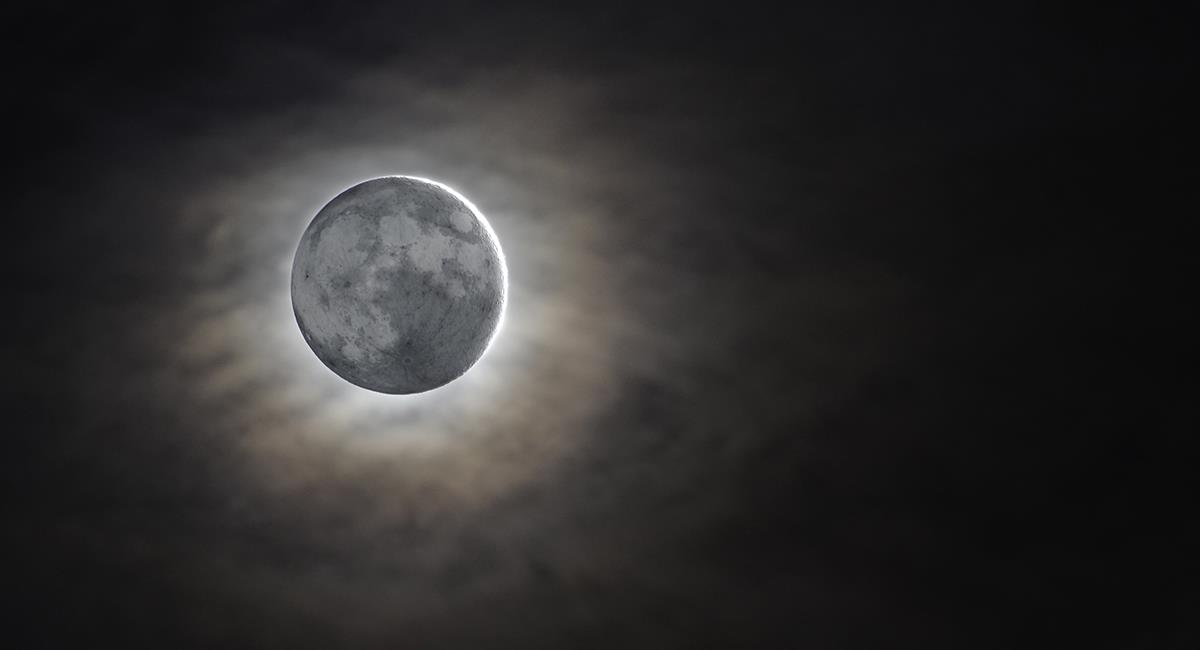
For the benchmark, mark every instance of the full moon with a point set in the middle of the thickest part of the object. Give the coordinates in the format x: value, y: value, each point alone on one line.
x: 399, y: 285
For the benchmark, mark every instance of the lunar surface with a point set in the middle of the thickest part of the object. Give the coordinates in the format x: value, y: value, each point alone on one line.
x: 399, y: 285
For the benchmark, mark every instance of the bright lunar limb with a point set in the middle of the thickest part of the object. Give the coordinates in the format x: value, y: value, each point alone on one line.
x: 399, y: 285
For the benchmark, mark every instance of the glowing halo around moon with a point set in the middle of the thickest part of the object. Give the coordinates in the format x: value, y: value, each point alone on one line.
x: 552, y: 368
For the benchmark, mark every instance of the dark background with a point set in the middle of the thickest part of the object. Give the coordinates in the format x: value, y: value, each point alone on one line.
x: 861, y: 327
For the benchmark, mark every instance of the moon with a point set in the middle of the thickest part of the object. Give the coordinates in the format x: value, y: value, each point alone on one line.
x: 399, y: 285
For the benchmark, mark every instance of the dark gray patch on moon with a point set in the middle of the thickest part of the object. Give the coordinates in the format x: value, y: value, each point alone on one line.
x: 398, y: 285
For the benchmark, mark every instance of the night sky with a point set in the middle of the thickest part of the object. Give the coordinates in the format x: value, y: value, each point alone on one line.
x: 836, y: 327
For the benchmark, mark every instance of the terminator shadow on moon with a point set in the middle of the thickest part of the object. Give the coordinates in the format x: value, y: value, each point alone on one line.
x: 399, y: 285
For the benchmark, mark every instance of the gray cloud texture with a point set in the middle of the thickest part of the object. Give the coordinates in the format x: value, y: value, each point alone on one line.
x: 599, y: 430
x: 756, y: 380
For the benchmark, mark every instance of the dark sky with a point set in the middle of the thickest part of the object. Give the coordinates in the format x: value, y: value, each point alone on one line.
x: 835, y: 327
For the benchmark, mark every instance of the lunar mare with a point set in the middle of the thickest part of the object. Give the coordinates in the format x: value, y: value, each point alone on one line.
x: 399, y: 285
